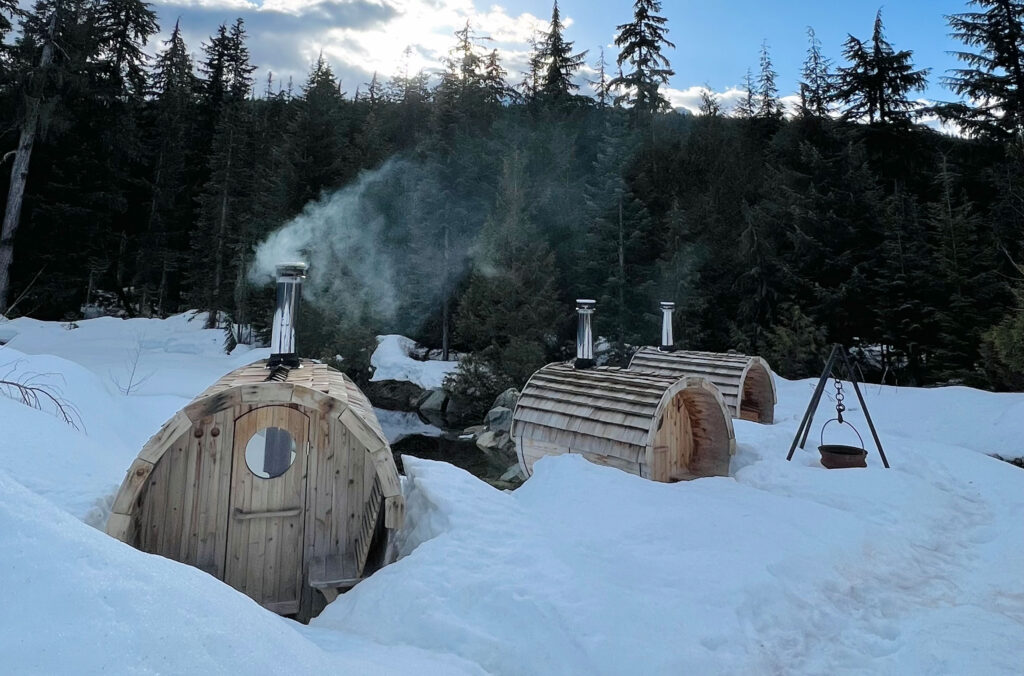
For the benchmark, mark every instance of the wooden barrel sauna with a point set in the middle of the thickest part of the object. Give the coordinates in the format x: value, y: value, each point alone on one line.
x: 278, y: 481
x: 660, y: 427
x: 746, y: 383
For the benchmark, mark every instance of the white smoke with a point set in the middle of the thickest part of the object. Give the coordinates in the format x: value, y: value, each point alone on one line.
x: 340, y: 237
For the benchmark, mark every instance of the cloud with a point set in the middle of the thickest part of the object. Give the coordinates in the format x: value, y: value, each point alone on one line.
x: 689, y: 98
x: 358, y: 37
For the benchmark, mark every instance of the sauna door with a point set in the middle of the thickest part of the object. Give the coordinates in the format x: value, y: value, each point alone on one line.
x: 267, y: 507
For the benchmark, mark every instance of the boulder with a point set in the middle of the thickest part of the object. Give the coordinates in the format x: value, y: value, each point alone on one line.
x: 459, y: 412
x: 394, y: 395
x: 514, y: 474
x: 507, y: 399
x: 431, y: 406
x: 432, y: 401
x: 498, y: 447
x: 499, y: 419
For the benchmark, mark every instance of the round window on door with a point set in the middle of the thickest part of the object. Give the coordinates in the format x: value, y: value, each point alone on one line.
x: 270, y: 452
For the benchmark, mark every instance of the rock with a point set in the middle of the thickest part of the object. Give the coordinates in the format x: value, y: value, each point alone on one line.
x: 459, y: 412
x: 507, y: 399
x: 499, y: 419
x: 473, y: 431
x: 432, y: 401
x: 431, y: 406
x: 514, y: 473
x: 394, y: 395
x: 498, y: 447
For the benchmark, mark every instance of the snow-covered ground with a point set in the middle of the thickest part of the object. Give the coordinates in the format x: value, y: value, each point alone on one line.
x: 782, y: 568
x: 392, y: 361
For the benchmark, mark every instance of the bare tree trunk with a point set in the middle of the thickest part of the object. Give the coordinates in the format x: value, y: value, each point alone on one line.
x: 222, y: 228
x: 19, y: 170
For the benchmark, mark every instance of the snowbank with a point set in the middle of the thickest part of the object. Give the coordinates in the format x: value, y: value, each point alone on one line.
x: 787, y: 568
x: 392, y: 361
x: 781, y: 568
x: 78, y: 601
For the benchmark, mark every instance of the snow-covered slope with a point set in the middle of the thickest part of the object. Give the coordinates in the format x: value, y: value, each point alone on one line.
x: 781, y: 568
x: 392, y: 361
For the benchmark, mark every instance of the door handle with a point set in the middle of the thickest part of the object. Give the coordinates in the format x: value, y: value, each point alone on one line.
x: 243, y: 515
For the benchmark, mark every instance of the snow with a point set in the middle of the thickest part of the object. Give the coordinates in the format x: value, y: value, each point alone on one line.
x: 392, y: 361
x: 398, y: 425
x: 780, y: 568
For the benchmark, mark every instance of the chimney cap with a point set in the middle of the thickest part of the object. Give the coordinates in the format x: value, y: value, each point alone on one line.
x: 585, y: 304
x: 667, y: 305
x: 292, y: 269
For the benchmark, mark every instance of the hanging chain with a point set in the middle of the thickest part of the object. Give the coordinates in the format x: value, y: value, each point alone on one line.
x: 840, y: 406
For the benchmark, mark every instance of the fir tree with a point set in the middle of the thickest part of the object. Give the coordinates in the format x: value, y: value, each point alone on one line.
x: 504, y: 284
x: 768, y: 105
x: 992, y: 78
x: 497, y: 91
x: 601, y: 86
x: 315, y: 144
x: 746, y: 107
x: 816, y: 80
x: 124, y: 27
x: 641, y: 43
x: 710, y: 106
x: 173, y: 89
x: 875, y: 84
x: 223, y: 201
x: 559, y: 63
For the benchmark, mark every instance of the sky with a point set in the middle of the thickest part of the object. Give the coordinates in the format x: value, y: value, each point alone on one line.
x: 715, y: 41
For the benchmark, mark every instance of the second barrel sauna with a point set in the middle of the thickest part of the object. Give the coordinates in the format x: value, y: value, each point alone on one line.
x: 746, y: 382
x: 659, y: 427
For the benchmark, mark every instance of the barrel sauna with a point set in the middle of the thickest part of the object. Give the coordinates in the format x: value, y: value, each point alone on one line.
x: 659, y: 427
x: 277, y: 480
x: 745, y: 382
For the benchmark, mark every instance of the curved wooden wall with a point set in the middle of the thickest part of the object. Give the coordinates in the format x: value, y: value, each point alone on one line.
x: 656, y: 426
x: 174, y: 500
x: 746, y: 382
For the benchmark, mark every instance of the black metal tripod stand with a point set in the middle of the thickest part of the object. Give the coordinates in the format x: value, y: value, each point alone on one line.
x: 838, y: 353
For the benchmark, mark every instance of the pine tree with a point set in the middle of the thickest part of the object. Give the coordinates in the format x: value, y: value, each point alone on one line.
x: 619, y: 234
x: 768, y: 107
x: 497, y: 91
x: 816, y: 80
x: 559, y: 63
x: 411, y: 93
x: 461, y: 93
x: 173, y: 88
x: 510, y: 249
x: 50, y: 56
x: 315, y: 144
x: 746, y: 107
x: 874, y: 87
x: 601, y: 87
x: 710, y: 106
x: 223, y: 200
x: 124, y: 27
x: 992, y: 78
x: 963, y: 268
x: 641, y: 43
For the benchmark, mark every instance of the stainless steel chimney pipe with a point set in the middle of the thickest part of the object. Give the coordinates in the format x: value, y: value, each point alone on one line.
x: 584, y: 334
x: 667, y: 343
x: 289, y: 292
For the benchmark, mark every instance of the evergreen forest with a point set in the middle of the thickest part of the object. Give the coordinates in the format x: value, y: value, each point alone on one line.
x: 478, y: 203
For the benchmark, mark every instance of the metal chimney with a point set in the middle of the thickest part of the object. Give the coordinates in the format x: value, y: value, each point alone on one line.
x: 584, y: 334
x: 289, y: 291
x: 667, y: 343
